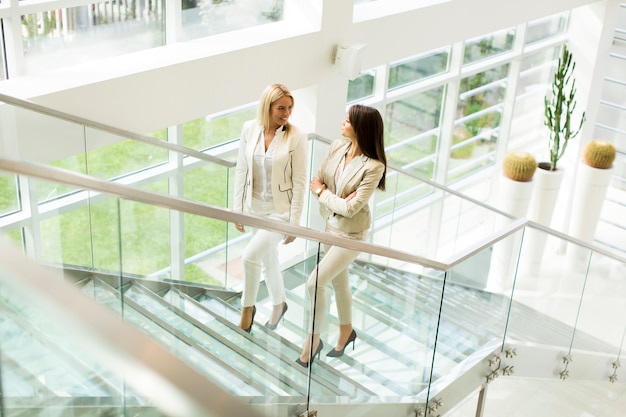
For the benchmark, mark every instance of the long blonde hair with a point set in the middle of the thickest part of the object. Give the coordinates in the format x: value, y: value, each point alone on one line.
x: 270, y: 95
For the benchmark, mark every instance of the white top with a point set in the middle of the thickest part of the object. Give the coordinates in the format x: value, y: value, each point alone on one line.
x: 262, y: 170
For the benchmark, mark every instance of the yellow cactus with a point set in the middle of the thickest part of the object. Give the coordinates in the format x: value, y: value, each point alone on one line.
x: 519, y: 166
x: 599, y: 153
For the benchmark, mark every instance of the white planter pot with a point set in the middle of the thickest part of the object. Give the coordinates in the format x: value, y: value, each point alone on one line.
x: 589, y: 193
x: 540, y: 210
x: 545, y: 195
x: 513, y: 197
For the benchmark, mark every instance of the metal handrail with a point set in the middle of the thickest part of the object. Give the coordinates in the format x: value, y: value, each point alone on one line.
x: 62, y: 176
x: 28, y: 105
x: 175, y: 203
x: 430, y: 182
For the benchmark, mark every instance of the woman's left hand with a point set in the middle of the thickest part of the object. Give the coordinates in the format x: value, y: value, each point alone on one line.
x: 288, y: 239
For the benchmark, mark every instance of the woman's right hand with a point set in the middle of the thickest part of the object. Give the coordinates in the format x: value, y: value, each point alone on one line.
x: 240, y: 227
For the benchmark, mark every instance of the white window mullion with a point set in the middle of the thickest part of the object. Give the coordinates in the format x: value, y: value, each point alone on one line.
x: 448, y: 115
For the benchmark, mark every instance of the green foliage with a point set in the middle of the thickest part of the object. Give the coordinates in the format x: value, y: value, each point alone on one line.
x: 560, y: 106
x: 8, y: 196
x: 39, y: 23
x: 361, y: 87
x: 90, y: 236
x: 460, y: 135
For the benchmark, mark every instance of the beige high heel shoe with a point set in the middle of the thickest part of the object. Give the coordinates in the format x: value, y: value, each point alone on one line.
x: 247, y: 312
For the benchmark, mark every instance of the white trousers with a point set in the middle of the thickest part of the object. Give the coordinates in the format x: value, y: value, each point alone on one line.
x: 333, y: 268
x: 261, y: 257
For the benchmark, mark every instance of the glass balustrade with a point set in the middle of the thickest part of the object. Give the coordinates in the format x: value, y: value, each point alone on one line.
x: 413, y: 214
x: 425, y: 322
x: 63, y: 354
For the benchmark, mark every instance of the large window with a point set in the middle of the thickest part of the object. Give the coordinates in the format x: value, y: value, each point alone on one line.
x: 412, y: 131
x: 533, y: 83
x: 362, y: 87
x: 545, y: 28
x: 213, y: 130
x: 416, y: 69
x: 68, y: 36
x: 476, y: 129
x: 488, y: 46
x: 202, y: 18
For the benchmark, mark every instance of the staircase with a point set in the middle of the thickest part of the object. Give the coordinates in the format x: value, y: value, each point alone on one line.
x: 395, y: 313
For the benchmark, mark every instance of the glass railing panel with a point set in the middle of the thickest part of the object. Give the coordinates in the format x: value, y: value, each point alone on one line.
x: 29, y: 128
x: 110, y: 156
x: 418, y: 218
x: 394, y: 317
x: 141, y: 315
x: 43, y: 367
x: 146, y: 239
x: 396, y: 305
x: 546, y: 298
x: 204, y: 236
x: 501, y: 261
x: 132, y: 159
x: 167, y: 171
x: 601, y: 321
x: 207, y: 132
x: 67, y: 233
x: 64, y: 354
x: 471, y: 325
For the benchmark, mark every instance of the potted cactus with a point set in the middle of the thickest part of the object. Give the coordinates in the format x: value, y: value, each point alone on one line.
x: 592, y: 182
x: 515, y: 188
x: 519, y: 166
x: 559, y: 107
x: 599, y: 153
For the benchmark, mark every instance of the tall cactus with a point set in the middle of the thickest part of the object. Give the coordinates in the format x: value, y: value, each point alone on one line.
x: 560, y: 106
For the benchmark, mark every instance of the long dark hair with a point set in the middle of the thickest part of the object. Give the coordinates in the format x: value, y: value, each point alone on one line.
x: 370, y: 134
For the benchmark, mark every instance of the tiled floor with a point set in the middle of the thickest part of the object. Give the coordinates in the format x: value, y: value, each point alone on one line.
x: 511, y: 397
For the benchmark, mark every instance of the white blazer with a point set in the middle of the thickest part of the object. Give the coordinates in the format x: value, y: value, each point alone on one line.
x: 289, y: 170
x: 362, y: 176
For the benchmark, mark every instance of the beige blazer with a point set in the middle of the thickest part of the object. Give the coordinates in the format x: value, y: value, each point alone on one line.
x: 289, y: 170
x: 361, y: 175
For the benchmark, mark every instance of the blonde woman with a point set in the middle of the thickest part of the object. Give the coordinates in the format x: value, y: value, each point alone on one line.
x: 270, y: 181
